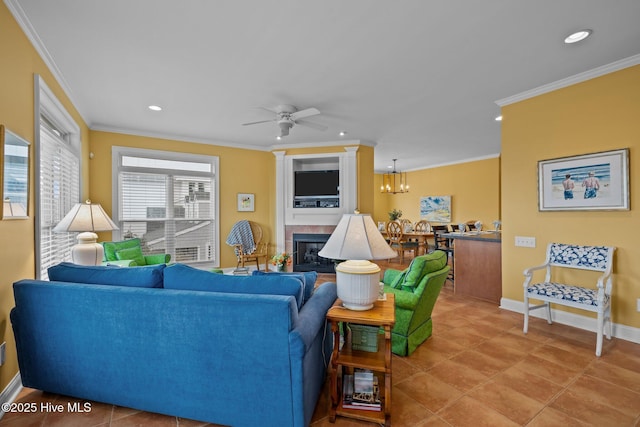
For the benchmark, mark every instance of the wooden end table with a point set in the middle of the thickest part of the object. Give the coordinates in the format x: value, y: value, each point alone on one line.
x: 382, y: 314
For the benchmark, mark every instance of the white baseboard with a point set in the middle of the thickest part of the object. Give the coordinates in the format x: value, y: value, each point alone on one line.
x: 10, y: 392
x: 624, y: 332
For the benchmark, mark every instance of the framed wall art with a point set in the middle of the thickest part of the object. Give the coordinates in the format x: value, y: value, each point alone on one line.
x: 597, y: 181
x: 246, y: 202
x: 435, y: 208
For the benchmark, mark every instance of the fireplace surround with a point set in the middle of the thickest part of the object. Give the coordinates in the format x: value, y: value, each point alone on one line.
x: 305, y: 253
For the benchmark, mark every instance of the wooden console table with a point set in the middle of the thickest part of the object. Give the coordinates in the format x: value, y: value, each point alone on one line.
x: 382, y: 314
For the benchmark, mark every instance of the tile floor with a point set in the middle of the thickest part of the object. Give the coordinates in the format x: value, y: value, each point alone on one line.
x: 478, y: 369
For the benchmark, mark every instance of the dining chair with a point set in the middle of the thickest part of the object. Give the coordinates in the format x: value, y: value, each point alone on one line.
x: 443, y: 243
x: 397, y: 241
x: 422, y: 226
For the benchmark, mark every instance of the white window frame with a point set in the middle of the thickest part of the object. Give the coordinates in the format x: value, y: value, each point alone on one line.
x: 117, y: 152
x: 47, y: 105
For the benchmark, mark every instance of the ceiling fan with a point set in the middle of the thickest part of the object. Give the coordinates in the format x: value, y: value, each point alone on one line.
x: 288, y: 115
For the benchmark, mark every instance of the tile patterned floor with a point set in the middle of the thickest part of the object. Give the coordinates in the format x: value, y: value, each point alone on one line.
x: 478, y: 369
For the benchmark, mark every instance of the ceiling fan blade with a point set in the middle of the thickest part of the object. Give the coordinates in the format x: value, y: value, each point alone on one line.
x: 304, y: 113
x: 255, y: 123
x: 271, y: 109
x: 316, y: 126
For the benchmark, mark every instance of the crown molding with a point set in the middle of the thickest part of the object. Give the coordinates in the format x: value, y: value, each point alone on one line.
x: 342, y: 142
x: 178, y: 138
x: 578, y: 78
x: 439, y: 165
x: 21, y: 18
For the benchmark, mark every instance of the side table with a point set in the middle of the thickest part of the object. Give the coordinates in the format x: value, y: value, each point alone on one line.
x: 382, y: 314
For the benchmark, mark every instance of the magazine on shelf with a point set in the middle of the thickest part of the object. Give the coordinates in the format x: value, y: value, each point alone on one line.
x: 366, y: 401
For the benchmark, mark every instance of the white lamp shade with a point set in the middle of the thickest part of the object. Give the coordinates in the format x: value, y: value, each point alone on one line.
x: 12, y: 209
x: 357, y: 237
x: 86, y: 217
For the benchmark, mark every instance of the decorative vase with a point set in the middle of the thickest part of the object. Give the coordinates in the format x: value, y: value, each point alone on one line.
x: 281, y: 268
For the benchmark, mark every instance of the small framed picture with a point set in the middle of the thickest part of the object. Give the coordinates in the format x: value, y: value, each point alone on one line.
x: 246, y: 202
x: 382, y: 226
x: 597, y: 181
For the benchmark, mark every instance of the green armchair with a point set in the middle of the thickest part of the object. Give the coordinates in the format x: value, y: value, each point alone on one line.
x: 128, y: 253
x: 416, y: 290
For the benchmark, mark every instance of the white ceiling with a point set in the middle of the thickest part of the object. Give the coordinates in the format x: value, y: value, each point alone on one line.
x: 417, y: 78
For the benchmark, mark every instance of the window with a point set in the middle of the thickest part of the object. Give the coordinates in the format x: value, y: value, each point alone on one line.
x: 58, y: 186
x: 168, y: 201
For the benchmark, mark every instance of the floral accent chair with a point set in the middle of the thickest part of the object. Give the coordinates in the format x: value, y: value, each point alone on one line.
x: 416, y: 290
x: 597, y: 300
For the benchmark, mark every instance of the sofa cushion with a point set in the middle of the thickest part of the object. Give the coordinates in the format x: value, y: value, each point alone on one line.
x: 308, y: 279
x: 142, y: 277
x: 131, y: 253
x: 184, y: 277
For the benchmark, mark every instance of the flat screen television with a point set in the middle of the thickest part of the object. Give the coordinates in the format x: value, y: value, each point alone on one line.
x: 321, y: 183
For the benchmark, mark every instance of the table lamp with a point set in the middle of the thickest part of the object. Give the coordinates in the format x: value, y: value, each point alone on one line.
x: 356, y: 239
x: 86, y: 218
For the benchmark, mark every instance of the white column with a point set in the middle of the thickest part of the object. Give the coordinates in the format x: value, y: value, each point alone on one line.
x: 280, y: 200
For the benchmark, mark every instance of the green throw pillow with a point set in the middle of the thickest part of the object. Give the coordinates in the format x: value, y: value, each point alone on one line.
x: 399, y: 280
x: 415, y: 271
x: 132, y: 253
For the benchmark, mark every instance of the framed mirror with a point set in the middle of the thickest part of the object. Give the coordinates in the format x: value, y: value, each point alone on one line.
x: 14, y: 175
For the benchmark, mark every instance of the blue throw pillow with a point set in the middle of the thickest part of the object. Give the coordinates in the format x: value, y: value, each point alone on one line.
x: 184, y: 277
x: 308, y: 278
x: 142, y: 277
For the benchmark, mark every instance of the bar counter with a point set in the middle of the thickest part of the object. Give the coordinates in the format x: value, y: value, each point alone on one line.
x: 477, y: 260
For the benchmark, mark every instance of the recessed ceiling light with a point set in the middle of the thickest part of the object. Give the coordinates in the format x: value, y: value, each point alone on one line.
x: 342, y: 133
x: 278, y: 137
x: 498, y: 118
x: 578, y: 36
x: 155, y: 108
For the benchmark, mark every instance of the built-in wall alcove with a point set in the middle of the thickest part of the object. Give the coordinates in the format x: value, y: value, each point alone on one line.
x: 322, y: 211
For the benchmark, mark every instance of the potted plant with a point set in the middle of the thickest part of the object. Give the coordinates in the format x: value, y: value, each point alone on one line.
x: 281, y: 261
x: 395, y: 214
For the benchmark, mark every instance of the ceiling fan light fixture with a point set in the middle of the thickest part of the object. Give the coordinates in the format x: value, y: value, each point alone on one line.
x: 394, y: 182
x: 577, y: 36
x: 284, y: 127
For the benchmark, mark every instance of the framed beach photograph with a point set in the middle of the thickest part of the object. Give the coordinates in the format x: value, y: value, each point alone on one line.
x: 435, y: 208
x: 246, y: 202
x: 597, y: 181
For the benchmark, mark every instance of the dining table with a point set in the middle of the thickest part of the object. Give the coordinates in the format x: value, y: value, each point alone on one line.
x: 419, y: 236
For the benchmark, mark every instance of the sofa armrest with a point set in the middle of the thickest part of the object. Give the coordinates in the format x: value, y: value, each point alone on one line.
x: 121, y: 263
x: 311, y: 317
x: 157, y: 259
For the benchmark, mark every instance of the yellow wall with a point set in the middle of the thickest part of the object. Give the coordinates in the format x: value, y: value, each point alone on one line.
x: 241, y: 171
x: 20, y: 62
x: 474, y: 188
x: 597, y: 115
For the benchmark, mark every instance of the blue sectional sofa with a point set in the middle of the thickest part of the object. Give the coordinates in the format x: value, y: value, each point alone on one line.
x: 239, y: 351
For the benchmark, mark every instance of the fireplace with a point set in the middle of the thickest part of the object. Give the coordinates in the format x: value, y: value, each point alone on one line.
x: 305, y: 253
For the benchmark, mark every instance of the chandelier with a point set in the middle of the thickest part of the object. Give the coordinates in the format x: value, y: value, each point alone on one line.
x: 394, y: 182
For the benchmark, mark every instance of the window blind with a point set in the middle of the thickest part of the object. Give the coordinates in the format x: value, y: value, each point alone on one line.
x: 59, y: 191
x: 169, y: 206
